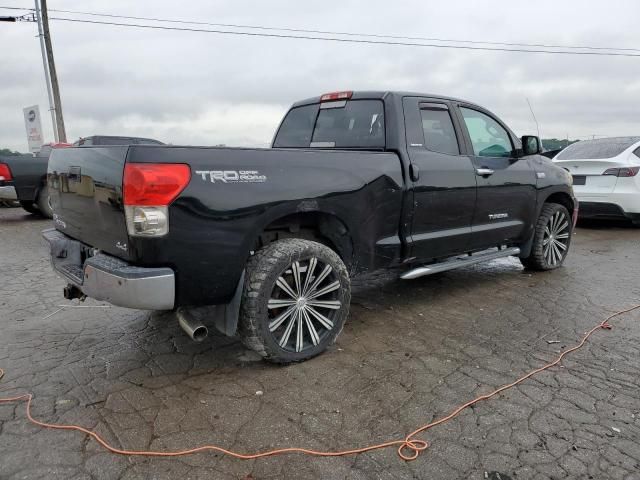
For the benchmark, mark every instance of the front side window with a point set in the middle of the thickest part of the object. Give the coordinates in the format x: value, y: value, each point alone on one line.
x: 439, y: 134
x: 488, y: 137
x: 350, y: 124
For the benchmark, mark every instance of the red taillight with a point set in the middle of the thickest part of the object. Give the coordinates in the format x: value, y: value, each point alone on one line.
x: 155, y: 184
x: 5, y: 172
x: 329, y: 97
x: 622, y: 172
x: 628, y: 171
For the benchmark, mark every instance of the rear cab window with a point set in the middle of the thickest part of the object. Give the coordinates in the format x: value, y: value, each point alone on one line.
x: 357, y: 123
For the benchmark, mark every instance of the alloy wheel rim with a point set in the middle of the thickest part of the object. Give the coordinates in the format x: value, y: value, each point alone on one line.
x: 304, y: 305
x: 555, y: 242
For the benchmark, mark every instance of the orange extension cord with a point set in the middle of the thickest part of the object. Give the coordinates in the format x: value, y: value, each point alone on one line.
x: 408, y: 449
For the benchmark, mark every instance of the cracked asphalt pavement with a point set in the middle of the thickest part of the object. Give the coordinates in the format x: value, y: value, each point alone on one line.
x: 410, y: 352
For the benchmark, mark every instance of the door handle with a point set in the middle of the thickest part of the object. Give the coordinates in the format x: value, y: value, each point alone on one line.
x: 414, y: 172
x: 484, y: 172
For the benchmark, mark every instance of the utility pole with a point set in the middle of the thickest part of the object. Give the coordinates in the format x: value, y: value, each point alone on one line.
x: 53, y: 88
x: 46, y: 70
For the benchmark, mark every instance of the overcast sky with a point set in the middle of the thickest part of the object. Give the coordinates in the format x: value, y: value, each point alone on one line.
x: 200, y: 88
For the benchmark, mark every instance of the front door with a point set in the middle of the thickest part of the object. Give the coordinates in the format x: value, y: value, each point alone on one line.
x: 506, y: 201
x: 442, y: 179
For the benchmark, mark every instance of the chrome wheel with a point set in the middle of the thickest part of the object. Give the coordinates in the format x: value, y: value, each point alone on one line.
x: 555, y: 242
x: 303, y: 305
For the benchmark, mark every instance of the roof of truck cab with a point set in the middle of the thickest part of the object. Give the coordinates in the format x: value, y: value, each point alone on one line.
x: 381, y: 94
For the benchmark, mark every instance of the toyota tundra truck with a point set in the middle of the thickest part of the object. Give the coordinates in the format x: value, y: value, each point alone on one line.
x: 263, y: 242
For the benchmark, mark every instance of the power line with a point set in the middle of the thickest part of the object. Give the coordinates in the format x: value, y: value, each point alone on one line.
x: 346, y: 40
x: 348, y: 34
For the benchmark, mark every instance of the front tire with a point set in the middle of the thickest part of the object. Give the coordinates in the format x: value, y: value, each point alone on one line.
x: 295, y: 301
x: 551, y: 239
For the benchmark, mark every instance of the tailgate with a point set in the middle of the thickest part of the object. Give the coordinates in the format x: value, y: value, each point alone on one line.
x: 86, y: 195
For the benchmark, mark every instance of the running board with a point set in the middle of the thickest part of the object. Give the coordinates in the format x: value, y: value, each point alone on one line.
x: 457, y: 262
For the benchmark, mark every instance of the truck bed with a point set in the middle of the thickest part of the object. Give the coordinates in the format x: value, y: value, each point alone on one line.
x: 232, y: 196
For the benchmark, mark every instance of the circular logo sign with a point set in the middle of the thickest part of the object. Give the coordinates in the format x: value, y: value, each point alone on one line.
x: 31, y: 115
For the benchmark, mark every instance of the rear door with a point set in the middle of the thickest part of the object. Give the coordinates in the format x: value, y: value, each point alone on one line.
x: 443, y: 180
x: 506, y: 201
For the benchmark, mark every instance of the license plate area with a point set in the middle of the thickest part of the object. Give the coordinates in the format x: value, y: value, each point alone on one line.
x: 579, y: 180
x: 68, y: 255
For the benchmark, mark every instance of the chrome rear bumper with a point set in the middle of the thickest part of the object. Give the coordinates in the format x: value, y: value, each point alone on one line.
x: 8, y: 193
x: 108, y: 278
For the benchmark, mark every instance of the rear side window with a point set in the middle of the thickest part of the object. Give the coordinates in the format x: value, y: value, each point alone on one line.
x: 636, y: 152
x: 351, y: 124
x: 598, y: 149
x: 439, y: 134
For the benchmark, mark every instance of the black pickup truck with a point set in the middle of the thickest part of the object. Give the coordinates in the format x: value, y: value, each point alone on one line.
x: 262, y: 242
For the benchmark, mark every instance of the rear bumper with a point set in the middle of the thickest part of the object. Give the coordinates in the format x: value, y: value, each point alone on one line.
x: 108, y: 278
x: 8, y: 193
x: 626, y: 199
x: 605, y: 211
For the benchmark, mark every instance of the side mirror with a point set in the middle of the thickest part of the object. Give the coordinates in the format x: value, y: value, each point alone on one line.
x: 531, y: 145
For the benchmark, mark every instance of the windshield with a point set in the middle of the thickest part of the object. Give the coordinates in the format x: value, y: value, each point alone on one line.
x: 597, y: 149
x: 351, y: 124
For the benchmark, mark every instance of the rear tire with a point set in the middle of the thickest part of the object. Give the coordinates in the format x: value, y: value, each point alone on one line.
x: 551, y: 239
x: 44, y: 202
x: 295, y: 301
x: 29, y: 207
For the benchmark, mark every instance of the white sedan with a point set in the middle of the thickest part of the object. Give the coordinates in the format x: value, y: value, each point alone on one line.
x: 605, y: 176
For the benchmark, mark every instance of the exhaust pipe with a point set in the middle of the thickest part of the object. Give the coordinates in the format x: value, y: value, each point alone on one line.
x: 192, y: 326
x: 71, y: 292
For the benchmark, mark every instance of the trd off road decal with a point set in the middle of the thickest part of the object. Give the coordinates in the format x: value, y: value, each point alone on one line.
x: 232, y: 176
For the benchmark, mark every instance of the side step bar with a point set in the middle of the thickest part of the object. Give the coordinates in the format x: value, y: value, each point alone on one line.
x: 457, y: 262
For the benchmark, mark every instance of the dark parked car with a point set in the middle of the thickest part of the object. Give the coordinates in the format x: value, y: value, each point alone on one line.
x: 28, y: 173
x: 114, y: 140
x: 263, y: 242
x: 25, y: 180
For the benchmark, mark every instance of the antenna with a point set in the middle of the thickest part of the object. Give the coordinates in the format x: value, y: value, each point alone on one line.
x: 534, y: 118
